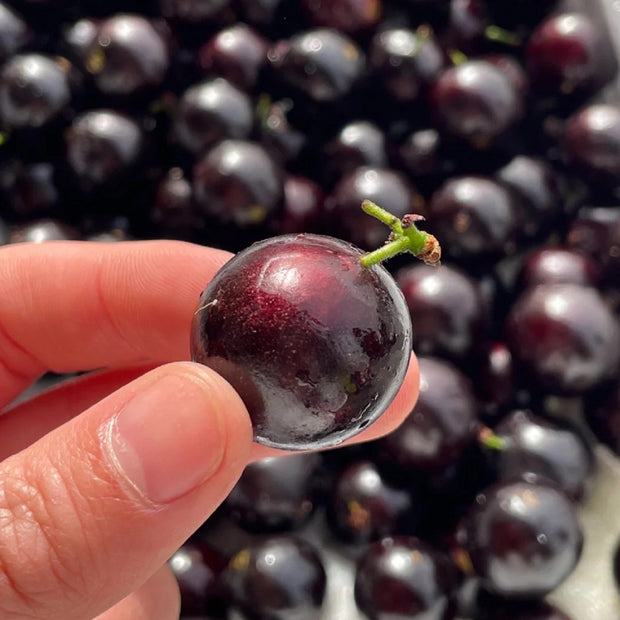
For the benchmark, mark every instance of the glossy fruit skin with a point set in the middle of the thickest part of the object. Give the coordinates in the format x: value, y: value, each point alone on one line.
x: 523, y: 539
x: 406, y: 62
x: 474, y: 216
x: 359, y: 143
x: 274, y: 494
x: 128, y: 56
x: 592, y: 143
x: 341, y: 331
x: 494, y: 379
x: 237, y: 54
x: 302, y: 210
x: 197, y: 568
x: 442, y: 425
x: 364, y: 507
x: 238, y: 182
x: 211, y: 111
x: 401, y: 577
x: 549, y: 450
x: 259, y: 580
x: 388, y: 187
x: 34, y: 90
x: 14, y: 32
x: 322, y: 63
x: 103, y: 146
x: 558, y: 265
x: 564, y: 337
x: 174, y: 214
x: 595, y: 232
x: 447, y: 310
x: 476, y: 102
x: 567, y: 57
x: 534, y: 182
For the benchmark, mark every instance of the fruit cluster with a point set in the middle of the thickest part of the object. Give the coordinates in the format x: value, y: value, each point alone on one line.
x: 225, y: 122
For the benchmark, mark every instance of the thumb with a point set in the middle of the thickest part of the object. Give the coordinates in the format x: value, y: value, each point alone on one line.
x: 90, y: 511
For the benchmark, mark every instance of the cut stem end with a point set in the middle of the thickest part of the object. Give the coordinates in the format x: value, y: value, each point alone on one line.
x: 405, y: 236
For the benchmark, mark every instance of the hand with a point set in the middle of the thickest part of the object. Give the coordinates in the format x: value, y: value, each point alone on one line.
x: 103, y: 477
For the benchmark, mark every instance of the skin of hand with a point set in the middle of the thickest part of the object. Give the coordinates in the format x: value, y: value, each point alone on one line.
x: 104, y: 476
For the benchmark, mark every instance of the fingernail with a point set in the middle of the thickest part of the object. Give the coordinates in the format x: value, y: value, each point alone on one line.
x: 167, y: 440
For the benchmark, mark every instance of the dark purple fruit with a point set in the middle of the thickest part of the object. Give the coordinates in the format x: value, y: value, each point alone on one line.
x: 564, y: 337
x: 364, y: 507
x: 302, y: 210
x: 128, y: 56
x: 34, y: 90
x: 442, y: 425
x: 474, y: 216
x: 322, y: 63
x: 350, y: 16
x: 79, y: 38
x: 494, y: 378
x: 568, y: 56
x: 359, y: 143
x: 555, y: 452
x: 103, y: 146
x: 595, y: 231
x: 238, y: 182
x: 276, y: 578
x: 196, y: 11
x: 14, y: 32
x: 558, y: 265
x: 476, y: 102
x: 447, y: 309
x: 197, y: 568
x: 28, y: 190
x: 237, y: 54
x: 406, y: 62
x: 282, y: 138
x: 384, y: 185
x: 316, y: 345
x: 274, y: 494
x: 402, y: 577
x: 592, y: 143
x: 173, y: 213
x: 211, y: 111
x: 534, y: 182
x: 523, y: 539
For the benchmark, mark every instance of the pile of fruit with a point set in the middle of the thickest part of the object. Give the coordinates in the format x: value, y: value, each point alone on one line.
x: 225, y: 122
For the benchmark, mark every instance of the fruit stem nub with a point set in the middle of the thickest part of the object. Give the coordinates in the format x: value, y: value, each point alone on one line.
x: 405, y: 237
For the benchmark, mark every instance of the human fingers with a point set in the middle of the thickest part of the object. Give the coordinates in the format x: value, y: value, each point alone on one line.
x: 70, y: 306
x: 26, y: 422
x: 92, y: 509
x: 159, y: 598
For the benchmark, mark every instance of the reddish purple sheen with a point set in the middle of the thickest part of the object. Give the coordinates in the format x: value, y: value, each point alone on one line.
x: 564, y: 337
x: 316, y: 345
x: 558, y: 265
x: 568, y: 55
x: 236, y: 53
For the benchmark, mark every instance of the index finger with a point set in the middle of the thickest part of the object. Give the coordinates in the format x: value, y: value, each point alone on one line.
x: 73, y: 306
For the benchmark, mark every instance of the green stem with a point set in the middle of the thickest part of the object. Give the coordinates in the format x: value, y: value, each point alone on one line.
x: 457, y: 57
x: 495, y: 33
x: 405, y: 237
x: 490, y: 440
